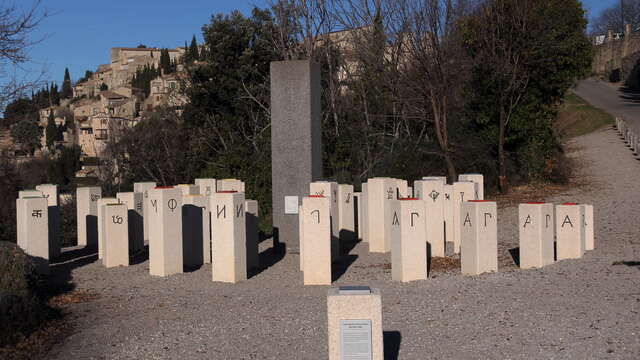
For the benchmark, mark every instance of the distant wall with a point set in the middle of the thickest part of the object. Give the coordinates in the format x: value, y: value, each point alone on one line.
x: 617, y: 55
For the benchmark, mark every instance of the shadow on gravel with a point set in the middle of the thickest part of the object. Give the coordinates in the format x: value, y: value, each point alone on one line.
x: 515, y: 255
x: 340, y: 267
x: 62, y: 267
x: 635, y: 264
x: 268, y: 258
x: 391, y: 341
x: 630, y: 95
x: 140, y: 257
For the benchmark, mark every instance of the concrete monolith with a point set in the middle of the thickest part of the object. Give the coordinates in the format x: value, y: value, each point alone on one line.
x: 116, y: 250
x: 478, y: 237
x: 570, y: 234
x: 228, y: 223
x: 462, y: 191
x: 87, y: 215
x: 32, y: 230
x: 536, y: 227
x: 316, y: 225
x: 102, y: 223
x: 408, y: 240
x: 432, y: 193
x: 50, y: 192
x: 165, y: 235
x: 135, y: 205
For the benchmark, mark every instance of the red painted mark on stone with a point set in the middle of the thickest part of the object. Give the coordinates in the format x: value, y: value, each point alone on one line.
x: 164, y: 187
x: 226, y: 192
x: 412, y: 198
x: 479, y: 201
x: 535, y: 203
x: 569, y: 204
x: 316, y: 196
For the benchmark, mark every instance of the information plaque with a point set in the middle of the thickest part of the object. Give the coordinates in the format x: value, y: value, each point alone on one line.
x: 290, y: 204
x: 355, y: 340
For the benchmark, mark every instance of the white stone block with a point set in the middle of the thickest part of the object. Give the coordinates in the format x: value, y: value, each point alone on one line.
x: 207, y: 186
x: 116, y: 250
x: 50, y: 192
x: 87, y: 215
x: 408, y: 240
x: 588, y: 220
x: 447, y: 205
x: 189, y: 189
x: 29, y: 193
x: 135, y: 205
x: 479, y: 237
x: 102, y: 223
x: 347, y: 228
x: 32, y: 230
x: 330, y: 189
x: 230, y: 185
x: 478, y: 179
x: 432, y: 193
x: 570, y: 234
x: 228, y: 223
x: 440, y: 178
x: 301, y: 236
x: 144, y: 187
x: 316, y: 225
x: 252, y: 213
x: 536, y: 226
x: 462, y: 191
x: 165, y: 231
x: 381, y: 192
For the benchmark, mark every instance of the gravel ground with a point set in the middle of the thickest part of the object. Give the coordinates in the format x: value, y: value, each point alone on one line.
x: 587, y: 308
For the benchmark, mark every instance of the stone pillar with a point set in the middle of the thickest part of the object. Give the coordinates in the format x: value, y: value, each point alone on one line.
x: 189, y: 189
x: 536, y: 235
x: 316, y: 225
x: 365, y: 213
x: 144, y: 187
x: 479, y: 237
x: 447, y: 205
x: 476, y: 178
x: 462, y: 191
x: 230, y: 185
x: 116, y: 250
x: 87, y: 215
x: 432, y: 193
x: 253, y: 251
x: 301, y: 237
x: 228, y: 223
x: 206, y: 187
x: 33, y: 230
x: 29, y: 193
x: 408, y: 240
x: 330, y: 189
x: 50, y: 192
x: 355, y: 323
x: 402, y: 188
x: 165, y: 235
x: 570, y: 239
x: 346, y: 211
x: 102, y: 223
x: 296, y: 141
x: 357, y: 210
x: 196, y: 239
x: 381, y: 192
x: 589, y: 237
x: 135, y: 204
x: 440, y: 178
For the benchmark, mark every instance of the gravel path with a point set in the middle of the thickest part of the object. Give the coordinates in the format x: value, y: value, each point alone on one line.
x: 586, y: 309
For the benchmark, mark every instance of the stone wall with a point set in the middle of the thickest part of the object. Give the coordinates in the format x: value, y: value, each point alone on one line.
x: 614, y: 58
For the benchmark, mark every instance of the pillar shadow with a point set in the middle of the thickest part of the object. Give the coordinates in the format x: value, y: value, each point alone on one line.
x: 555, y: 251
x: 268, y: 258
x: 347, y: 241
x: 635, y: 264
x: 60, y: 277
x: 340, y: 267
x: 428, y: 259
x: 139, y: 256
x: 391, y: 341
x: 515, y: 255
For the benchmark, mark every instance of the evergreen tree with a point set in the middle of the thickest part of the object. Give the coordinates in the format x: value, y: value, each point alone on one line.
x: 67, y: 91
x: 54, y: 95
x: 51, y: 130
x: 192, y: 54
x: 165, y: 61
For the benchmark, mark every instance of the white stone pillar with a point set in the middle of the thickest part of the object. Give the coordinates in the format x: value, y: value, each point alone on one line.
x: 440, y: 178
x: 402, y: 188
x: 102, y: 223
x: 380, y: 192
x: 316, y: 225
x: 357, y: 202
x: 144, y: 187
x: 462, y: 191
x: 135, y: 204
x: 365, y: 213
x: 408, y: 240
x: 330, y: 190
x: 189, y: 189
x: 33, y: 230
x: 432, y: 193
x: 87, y: 215
x: 589, y: 237
x: 479, y: 237
x: 207, y: 186
x: 447, y: 205
x: 476, y: 178
x: 347, y: 228
x: 116, y: 250
x: 50, y: 192
x: 29, y: 193
x: 229, y: 237
x: 354, y: 324
x: 301, y: 236
x: 570, y: 237
x: 252, y: 213
x: 230, y: 185
x: 165, y: 235
x: 536, y: 234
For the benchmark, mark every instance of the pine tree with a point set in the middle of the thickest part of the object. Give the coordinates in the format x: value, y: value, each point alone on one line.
x: 51, y: 129
x: 67, y: 91
x: 192, y: 51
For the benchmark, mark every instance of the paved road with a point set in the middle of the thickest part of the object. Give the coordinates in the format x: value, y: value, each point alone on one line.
x: 616, y: 102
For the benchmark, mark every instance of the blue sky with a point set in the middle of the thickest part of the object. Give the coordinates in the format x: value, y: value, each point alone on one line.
x: 79, y: 33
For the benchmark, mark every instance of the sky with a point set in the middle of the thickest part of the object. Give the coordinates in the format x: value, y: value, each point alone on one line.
x: 79, y: 33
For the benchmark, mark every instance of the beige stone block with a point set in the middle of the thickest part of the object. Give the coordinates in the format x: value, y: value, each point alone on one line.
x: 365, y: 213
x: 588, y: 222
x: 87, y: 215
x: 102, y: 222
x: 135, y: 205
x: 432, y: 193
x: 29, y: 193
x: 479, y: 237
x: 230, y: 185
x: 144, y: 187
x: 447, y: 205
x: 196, y: 222
x: 32, y: 230
x: 228, y: 223
x: 116, y: 250
x: 402, y: 187
x: 357, y: 203
x: 536, y: 226
x: 570, y: 234
x: 408, y: 240
x: 165, y: 235
x: 189, y: 189
x: 462, y: 191
x: 381, y: 192
x: 346, y: 211
x: 316, y: 225
x: 476, y: 178
x: 330, y: 189
x: 207, y: 186
x: 301, y: 237
x: 50, y: 192
x: 354, y: 324
x: 252, y: 213
x: 439, y: 178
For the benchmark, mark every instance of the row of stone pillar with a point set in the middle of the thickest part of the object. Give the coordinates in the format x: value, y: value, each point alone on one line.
x: 628, y: 135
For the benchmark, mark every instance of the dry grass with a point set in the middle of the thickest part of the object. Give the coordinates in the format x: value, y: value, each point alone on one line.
x: 577, y: 117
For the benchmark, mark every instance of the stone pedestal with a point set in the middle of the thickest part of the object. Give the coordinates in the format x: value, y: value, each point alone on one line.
x: 346, y: 211
x: 476, y: 178
x: 381, y: 192
x: 296, y: 140
x: 408, y: 240
x: 536, y: 235
x: 165, y: 231
x: 570, y: 234
x: 116, y: 250
x: 589, y: 236
x: 253, y: 251
x: 135, y: 205
x: 316, y: 225
x: 432, y: 193
x: 196, y: 223
x: 230, y: 185
x: 228, y: 223
x: 354, y: 324
x: 330, y: 189
x: 365, y: 213
x: 144, y: 187
x: 447, y: 206
x: 32, y: 230
x: 206, y: 187
x: 479, y: 237
x: 50, y: 192
x: 357, y: 210
x: 189, y: 189
x: 102, y: 223
x: 87, y: 215
x: 462, y: 191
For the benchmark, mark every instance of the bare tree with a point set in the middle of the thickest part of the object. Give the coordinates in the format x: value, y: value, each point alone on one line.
x: 615, y: 18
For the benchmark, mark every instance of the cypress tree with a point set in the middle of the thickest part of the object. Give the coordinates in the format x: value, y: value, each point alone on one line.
x: 67, y: 91
x: 51, y: 130
x: 192, y: 51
